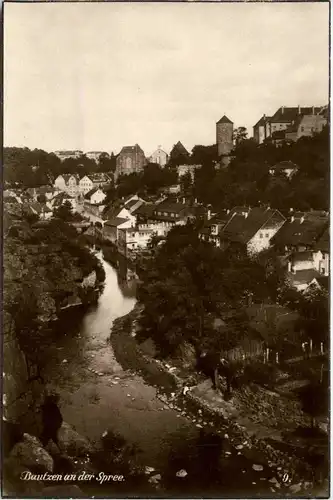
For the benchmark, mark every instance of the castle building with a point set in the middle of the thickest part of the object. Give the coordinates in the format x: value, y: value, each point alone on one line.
x: 224, y: 136
x: 159, y: 156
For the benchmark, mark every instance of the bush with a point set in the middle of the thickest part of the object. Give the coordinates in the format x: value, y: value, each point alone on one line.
x: 260, y: 373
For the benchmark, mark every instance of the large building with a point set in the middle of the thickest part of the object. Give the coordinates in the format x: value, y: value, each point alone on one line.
x: 224, y: 137
x: 130, y: 159
x: 64, y: 155
x: 159, y: 156
x: 291, y: 123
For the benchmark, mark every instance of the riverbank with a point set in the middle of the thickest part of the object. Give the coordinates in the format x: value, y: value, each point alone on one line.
x: 262, y: 444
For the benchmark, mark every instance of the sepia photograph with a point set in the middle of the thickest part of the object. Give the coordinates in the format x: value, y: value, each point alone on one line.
x: 166, y: 250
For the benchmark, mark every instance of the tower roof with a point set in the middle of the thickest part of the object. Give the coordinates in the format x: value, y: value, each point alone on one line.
x: 224, y: 119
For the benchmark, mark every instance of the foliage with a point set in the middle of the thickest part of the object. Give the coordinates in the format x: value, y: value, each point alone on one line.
x: 189, y: 283
x: 64, y: 211
x: 315, y: 400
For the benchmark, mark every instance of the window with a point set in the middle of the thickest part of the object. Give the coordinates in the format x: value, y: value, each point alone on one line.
x: 260, y: 235
x: 302, y: 129
x: 267, y: 235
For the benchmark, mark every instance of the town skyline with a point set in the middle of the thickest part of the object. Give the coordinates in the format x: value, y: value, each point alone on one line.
x: 141, y: 84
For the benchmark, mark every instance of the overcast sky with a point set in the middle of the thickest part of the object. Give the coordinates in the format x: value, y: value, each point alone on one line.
x: 101, y: 76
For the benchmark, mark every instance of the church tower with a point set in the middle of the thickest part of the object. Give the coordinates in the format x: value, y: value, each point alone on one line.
x: 224, y: 133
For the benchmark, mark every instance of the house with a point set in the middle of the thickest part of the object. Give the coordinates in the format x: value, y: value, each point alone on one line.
x: 131, y: 203
x: 301, y: 232
x: 159, y: 156
x: 130, y: 159
x: 62, y: 198
x: 88, y: 182
x: 95, y: 196
x: 111, y: 227
x: 252, y: 227
x: 174, y: 189
x: 64, y: 155
x: 39, y: 209
x: 262, y: 129
x: 47, y: 191
x: 94, y: 155
x: 305, y: 126
x: 179, y: 153
x: 322, y: 253
x: 290, y: 120
x: 287, y: 168
x: 210, y: 230
x: 68, y: 183
x: 321, y: 282
x: 133, y: 239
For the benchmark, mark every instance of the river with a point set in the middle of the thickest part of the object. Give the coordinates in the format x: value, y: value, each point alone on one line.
x: 97, y: 394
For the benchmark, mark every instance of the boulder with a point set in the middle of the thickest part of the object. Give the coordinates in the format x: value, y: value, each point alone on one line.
x: 257, y: 468
x: 12, y: 483
x: 72, y: 443
x: 31, y: 454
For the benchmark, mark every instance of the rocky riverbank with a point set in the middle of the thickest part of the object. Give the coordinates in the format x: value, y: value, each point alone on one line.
x: 189, y: 394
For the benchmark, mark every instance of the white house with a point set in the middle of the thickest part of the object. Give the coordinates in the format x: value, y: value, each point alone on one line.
x: 95, y: 197
x: 133, y: 239
x: 252, y: 227
x: 88, y: 182
x: 159, y: 156
x: 68, y: 183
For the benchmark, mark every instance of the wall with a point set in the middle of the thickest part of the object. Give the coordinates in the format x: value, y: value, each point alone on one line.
x: 224, y: 140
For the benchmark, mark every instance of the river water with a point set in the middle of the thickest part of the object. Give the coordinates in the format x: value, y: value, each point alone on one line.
x: 97, y: 395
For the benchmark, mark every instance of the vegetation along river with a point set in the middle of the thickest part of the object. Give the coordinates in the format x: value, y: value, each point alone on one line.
x: 97, y: 394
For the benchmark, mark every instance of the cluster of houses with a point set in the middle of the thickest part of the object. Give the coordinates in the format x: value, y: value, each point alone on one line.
x: 301, y: 239
x: 291, y: 123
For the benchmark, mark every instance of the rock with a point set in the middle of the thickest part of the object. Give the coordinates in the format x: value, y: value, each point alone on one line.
x: 72, y: 443
x: 173, y: 394
x: 295, y: 488
x: 155, y: 478
x: 31, y: 454
x: 64, y: 361
x: 226, y: 436
x: 181, y: 473
x: 239, y: 447
x: 257, y: 468
x: 199, y: 426
x: 149, y: 470
x: 63, y: 491
x: 105, y: 433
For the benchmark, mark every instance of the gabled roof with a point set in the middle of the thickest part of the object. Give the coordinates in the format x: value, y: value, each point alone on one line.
x: 285, y: 114
x: 131, y: 149
x: 91, y: 192
x: 305, y: 229
x: 302, y: 256
x: 115, y: 221
x: 170, y: 206
x: 323, y: 243
x: 179, y: 148
x: 145, y: 210
x: 224, y: 119
x: 264, y: 119
x: 322, y: 281
x: 241, y: 228
x: 303, y: 277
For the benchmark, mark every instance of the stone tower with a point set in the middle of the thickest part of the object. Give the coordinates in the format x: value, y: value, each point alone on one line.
x: 224, y: 133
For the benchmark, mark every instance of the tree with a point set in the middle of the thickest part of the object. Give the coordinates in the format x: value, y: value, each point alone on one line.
x: 239, y: 135
x: 186, y: 183
x: 64, y: 211
x: 315, y: 401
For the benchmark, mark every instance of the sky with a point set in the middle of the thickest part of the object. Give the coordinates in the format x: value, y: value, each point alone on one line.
x: 99, y: 76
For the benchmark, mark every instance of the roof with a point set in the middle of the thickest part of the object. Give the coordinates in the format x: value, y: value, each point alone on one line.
x: 287, y: 115
x: 179, y: 148
x: 303, y: 277
x: 131, y: 149
x: 68, y: 176
x: 131, y: 203
x: 305, y: 229
x: 99, y: 177
x: 241, y: 229
x: 145, y: 210
x: 115, y: 221
x: 91, y: 192
x: 170, y: 206
x: 323, y: 281
x: 224, y: 119
x: 323, y: 243
x: 302, y: 256
x: 264, y: 119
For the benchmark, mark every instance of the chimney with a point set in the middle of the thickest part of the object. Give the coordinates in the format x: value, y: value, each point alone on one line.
x: 264, y: 117
x: 289, y: 266
x: 292, y: 218
x: 291, y: 210
x: 299, y: 109
x: 282, y: 109
x: 209, y: 214
x: 301, y: 219
x: 313, y: 110
x: 184, y: 201
x: 246, y: 214
x: 196, y: 201
x: 228, y: 211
